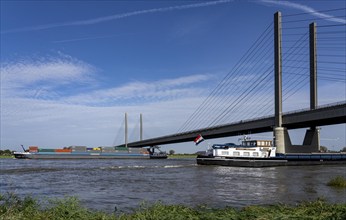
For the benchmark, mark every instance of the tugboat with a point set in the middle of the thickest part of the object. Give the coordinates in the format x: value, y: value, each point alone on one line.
x: 156, y: 155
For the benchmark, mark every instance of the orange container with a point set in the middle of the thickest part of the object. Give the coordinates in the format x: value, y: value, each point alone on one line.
x: 33, y: 148
x: 63, y: 150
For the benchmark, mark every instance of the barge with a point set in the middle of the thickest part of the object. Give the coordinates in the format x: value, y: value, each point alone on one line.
x: 82, y: 152
x: 261, y: 153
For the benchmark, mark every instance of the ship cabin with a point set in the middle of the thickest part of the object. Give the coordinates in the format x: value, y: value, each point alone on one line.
x: 248, y: 148
x: 257, y: 143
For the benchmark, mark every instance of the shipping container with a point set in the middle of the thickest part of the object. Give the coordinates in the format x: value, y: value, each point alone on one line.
x: 78, y: 148
x: 46, y: 150
x: 62, y: 150
x: 33, y: 148
x: 108, y: 149
x: 121, y: 148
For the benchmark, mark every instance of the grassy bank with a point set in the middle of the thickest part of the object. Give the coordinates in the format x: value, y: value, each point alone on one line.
x: 12, y: 207
x: 6, y: 156
x: 182, y: 156
x: 338, y: 181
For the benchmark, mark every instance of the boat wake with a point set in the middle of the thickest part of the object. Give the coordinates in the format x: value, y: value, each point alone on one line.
x: 147, y: 167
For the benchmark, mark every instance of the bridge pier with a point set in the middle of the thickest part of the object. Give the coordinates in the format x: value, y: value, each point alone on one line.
x: 312, y: 139
x: 282, y: 140
x: 284, y: 145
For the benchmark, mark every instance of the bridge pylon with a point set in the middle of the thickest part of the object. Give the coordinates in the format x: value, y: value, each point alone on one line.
x: 282, y: 140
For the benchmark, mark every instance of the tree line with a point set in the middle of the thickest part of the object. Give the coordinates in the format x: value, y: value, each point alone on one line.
x: 6, y: 152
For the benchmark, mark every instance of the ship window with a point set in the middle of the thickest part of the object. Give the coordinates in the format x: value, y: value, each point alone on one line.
x: 224, y: 153
x: 246, y: 154
x: 255, y: 154
x: 236, y: 153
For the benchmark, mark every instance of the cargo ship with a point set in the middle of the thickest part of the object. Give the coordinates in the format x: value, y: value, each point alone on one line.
x: 261, y: 153
x: 82, y: 152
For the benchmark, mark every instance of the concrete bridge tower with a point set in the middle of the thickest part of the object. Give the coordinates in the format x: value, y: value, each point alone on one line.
x: 282, y: 140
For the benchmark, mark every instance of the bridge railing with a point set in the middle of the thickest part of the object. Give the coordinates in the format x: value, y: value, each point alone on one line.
x: 318, y: 107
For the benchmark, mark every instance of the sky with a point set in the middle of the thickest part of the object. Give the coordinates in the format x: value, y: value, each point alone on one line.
x: 71, y: 69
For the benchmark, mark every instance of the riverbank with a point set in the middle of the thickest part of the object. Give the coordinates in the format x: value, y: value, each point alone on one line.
x: 13, y: 207
x: 181, y: 156
x: 6, y: 156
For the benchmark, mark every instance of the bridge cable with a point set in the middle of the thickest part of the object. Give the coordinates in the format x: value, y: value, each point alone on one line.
x: 217, y: 90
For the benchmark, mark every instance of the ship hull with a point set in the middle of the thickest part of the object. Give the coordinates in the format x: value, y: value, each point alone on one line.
x: 280, y: 160
x: 82, y: 155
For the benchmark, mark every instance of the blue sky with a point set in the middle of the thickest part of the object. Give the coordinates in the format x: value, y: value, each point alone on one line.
x: 71, y: 69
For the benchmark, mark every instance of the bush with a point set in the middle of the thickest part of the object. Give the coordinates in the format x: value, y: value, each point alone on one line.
x: 13, y: 207
x: 338, y: 181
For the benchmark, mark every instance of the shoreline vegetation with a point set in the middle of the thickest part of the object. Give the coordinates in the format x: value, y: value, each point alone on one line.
x: 181, y: 156
x: 338, y: 181
x: 6, y: 156
x: 14, y: 207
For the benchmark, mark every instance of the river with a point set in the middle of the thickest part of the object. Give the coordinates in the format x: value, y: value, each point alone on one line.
x: 125, y: 184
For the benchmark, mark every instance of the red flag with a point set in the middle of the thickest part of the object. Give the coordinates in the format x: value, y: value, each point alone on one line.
x: 198, y: 139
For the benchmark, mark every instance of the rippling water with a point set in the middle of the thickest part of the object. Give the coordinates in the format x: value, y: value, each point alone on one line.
x: 104, y: 184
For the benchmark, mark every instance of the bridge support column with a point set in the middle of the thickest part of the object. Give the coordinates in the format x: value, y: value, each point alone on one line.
x: 141, y: 127
x: 284, y: 145
x: 282, y: 140
x: 280, y: 133
x: 126, y: 131
x: 312, y: 140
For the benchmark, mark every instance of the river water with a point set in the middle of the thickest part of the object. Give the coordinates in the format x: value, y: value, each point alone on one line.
x: 125, y: 184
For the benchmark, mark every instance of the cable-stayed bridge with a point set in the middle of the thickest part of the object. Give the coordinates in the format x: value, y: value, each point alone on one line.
x: 293, y: 54
x: 325, y: 115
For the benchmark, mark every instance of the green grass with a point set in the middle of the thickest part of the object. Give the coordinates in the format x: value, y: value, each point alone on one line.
x: 338, y: 181
x: 6, y: 156
x: 182, y: 156
x: 13, y: 207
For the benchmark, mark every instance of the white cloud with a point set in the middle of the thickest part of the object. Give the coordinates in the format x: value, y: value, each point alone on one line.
x: 29, y: 76
x: 35, y: 112
x: 141, y: 92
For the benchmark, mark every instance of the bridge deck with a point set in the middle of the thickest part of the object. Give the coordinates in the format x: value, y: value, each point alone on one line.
x: 325, y: 115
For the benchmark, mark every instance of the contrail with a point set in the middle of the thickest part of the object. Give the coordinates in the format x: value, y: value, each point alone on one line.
x: 306, y: 9
x: 115, y: 17
x: 88, y: 38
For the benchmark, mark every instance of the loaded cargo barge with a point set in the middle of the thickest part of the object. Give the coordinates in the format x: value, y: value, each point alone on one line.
x: 258, y: 153
x: 82, y: 152
x: 278, y: 160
